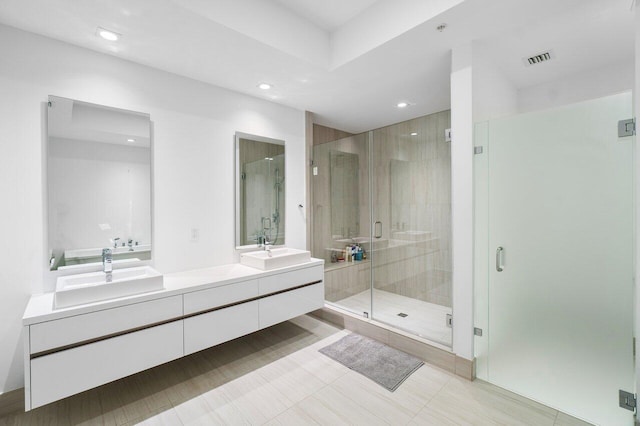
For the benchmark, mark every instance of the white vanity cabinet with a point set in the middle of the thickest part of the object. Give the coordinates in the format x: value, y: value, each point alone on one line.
x: 224, y: 313
x: 290, y: 294
x: 71, y: 371
x: 71, y: 350
x: 69, y: 355
x: 219, y: 314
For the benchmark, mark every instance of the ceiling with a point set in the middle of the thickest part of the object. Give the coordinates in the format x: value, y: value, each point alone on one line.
x: 328, y: 15
x: 348, y: 62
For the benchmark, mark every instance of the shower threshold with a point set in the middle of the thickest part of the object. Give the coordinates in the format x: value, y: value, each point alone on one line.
x: 424, y: 319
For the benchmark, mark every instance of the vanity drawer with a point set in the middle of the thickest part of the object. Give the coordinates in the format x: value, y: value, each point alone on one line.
x: 58, y: 333
x: 68, y: 372
x: 290, y: 304
x: 210, y: 329
x: 199, y: 301
x: 279, y: 282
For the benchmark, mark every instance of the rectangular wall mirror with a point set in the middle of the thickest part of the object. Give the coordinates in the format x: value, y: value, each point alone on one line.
x: 98, y: 184
x: 260, y: 190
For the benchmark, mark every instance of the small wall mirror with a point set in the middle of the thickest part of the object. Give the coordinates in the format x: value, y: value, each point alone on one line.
x: 260, y: 190
x: 98, y: 184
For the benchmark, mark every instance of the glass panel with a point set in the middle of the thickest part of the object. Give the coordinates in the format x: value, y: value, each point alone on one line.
x: 341, y: 219
x: 411, y: 187
x: 560, y: 204
x: 481, y: 248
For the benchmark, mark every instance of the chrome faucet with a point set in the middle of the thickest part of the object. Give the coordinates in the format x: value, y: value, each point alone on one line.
x: 115, y: 242
x: 267, y: 245
x: 107, y: 263
x: 130, y: 244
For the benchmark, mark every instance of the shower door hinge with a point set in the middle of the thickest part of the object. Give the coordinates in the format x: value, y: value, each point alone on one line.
x: 449, y: 320
x: 477, y: 331
x: 477, y: 150
x: 626, y: 127
x: 627, y: 400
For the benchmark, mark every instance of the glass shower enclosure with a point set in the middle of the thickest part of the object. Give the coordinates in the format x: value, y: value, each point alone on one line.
x: 382, y: 222
x: 554, y: 257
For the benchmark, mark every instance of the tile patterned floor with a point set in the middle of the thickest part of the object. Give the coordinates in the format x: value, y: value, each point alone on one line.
x: 425, y: 319
x: 278, y: 377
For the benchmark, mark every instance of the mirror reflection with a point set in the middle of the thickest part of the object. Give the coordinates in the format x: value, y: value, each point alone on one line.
x: 260, y: 190
x: 345, y: 187
x: 98, y: 184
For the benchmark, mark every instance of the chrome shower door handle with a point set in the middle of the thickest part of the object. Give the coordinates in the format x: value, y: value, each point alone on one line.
x: 377, y: 229
x: 499, y: 252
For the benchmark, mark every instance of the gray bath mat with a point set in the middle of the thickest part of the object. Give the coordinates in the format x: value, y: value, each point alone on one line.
x: 384, y: 365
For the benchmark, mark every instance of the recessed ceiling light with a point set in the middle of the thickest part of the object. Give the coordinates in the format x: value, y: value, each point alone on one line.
x: 264, y: 86
x: 414, y: 134
x: 107, y: 34
x: 402, y: 105
x: 131, y: 140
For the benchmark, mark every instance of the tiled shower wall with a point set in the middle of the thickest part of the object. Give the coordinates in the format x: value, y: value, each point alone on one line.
x: 411, y: 198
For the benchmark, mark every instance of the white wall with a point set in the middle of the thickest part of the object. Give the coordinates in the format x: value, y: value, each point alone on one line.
x: 493, y: 94
x: 590, y: 84
x: 194, y: 125
x: 462, y: 198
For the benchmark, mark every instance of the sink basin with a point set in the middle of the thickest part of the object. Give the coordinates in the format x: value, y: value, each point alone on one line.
x: 280, y: 258
x: 84, y: 265
x: 79, y: 289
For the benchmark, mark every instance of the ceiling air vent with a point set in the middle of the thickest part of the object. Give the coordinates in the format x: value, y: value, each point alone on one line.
x: 540, y: 57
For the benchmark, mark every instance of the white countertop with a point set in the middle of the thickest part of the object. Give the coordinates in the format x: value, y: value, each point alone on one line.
x: 40, y: 306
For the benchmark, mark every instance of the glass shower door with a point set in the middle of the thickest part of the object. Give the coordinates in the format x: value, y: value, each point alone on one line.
x: 341, y: 215
x: 560, y: 292
x: 411, y: 216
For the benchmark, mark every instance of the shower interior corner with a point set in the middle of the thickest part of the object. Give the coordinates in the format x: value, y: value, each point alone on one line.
x: 387, y: 192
